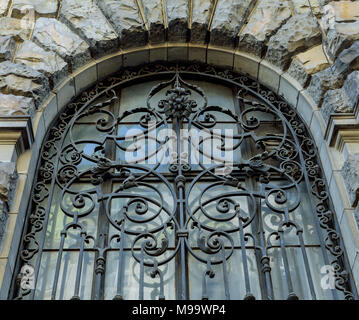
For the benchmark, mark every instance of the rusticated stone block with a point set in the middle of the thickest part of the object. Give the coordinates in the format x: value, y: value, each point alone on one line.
x: 126, y: 19
x: 88, y: 21
x: 55, y: 36
x: 268, y: 17
x: 335, y: 101
x: 177, y: 18
x: 46, y: 62
x: 350, y: 173
x: 154, y: 17
x: 11, y: 105
x: 307, y: 63
x: 228, y: 19
x: 15, y: 27
x: 202, y: 10
x: 7, y: 47
x: 329, y: 79
x: 341, y: 37
x: 342, y: 100
x: 45, y: 8
x: 298, y: 34
x: 4, y: 4
x: 302, y: 7
x: 341, y: 24
x: 19, y: 79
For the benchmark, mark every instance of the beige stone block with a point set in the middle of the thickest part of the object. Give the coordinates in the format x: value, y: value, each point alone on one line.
x: 177, y: 52
x: 350, y: 233
x: 220, y: 57
x: 50, y: 109
x: 313, y: 60
x: 346, y: 10
x: 317, y: 128
x: 65, y: 92
x: 339, y: 194
x: 326, y: 163
x: 355, y: 270
x: 289, y: 89
x: 3, y: 262
x: 197, y: 53
x: 332, y: 160
x: 306, y: 107
x: 109, y: 65
x: 38, y: 123
x: 23, y: 162
x: 246, y: 63
x: 139, y: 56
x: 158, y: 53
x: 7, y: 152
x: 269, y: 75
x: 85, y: 77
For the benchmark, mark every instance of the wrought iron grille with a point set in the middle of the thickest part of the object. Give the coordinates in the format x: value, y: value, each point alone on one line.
x: 100, y: 227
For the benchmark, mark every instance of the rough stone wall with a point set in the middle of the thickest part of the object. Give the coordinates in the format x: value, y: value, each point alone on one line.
x: 44, y: 41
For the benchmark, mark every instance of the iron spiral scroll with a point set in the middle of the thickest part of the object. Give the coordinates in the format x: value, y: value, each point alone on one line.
x: 167, y: 216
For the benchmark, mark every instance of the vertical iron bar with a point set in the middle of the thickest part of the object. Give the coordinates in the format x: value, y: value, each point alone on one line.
x: 79, y: 268
x: 291, y: 294
x: 225, y: 273
x: 306, y: 264
x: 142, y: 273
x: 119, y: 295
x: 58, y: 264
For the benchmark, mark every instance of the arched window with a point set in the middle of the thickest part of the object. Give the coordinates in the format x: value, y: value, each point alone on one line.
x: 188, y: 182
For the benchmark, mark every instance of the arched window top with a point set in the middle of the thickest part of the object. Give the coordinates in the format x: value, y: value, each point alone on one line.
x: 181, y: 182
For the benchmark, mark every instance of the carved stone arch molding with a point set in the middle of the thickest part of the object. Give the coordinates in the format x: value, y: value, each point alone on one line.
x: 64, y: 47
x: 297, y: 160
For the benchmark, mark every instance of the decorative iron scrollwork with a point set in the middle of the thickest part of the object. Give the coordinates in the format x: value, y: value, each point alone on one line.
x: 159, y: 217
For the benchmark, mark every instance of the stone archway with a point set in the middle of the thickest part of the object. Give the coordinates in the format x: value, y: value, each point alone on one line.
x: 49, y: 57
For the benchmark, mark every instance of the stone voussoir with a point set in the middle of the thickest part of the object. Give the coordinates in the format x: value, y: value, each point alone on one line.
x: 307, y: 63
x: 340, y: 22
x: 298, y: 34
x: 229, y: 17
x: 177, y: 19
x: 201, y: 14
x: 333, y: 78
x: 343, y: 100
x: 47, y: 62
x: 19, y: 79
x: 88, y: 21
x: 126, y: 18
x: 53, y: 35
x: 154, y: 16
x: 267, y: 18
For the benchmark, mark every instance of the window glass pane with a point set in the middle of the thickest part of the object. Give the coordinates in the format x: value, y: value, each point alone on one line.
x: 298, y: 273
x: 67, y: 275
x: 131, y: 278
x: 303, y: 216
x: 235, y: 273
